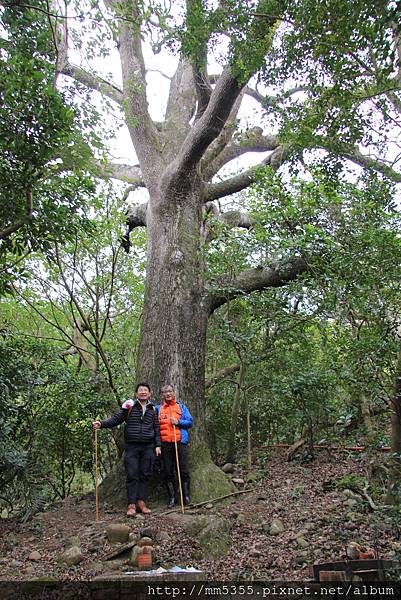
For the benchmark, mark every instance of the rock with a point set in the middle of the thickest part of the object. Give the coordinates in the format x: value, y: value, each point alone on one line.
x: 132, y: 537
x: 114, y: 565
x: 211, y: 532
x: 16, y: 563
x: 276, y: 527
x: 35, y: 555
x: 241, y: 519
x: 255, y: 553
x: 238, y: 481
x: 148, y: 532
x: 73, y: 541
x: 228, y: 468
x: 11, y: 540
x: 136, y: 550
x: 29, y: 570
x: 96, y: 566
x: 163, y: 536
x: 145, y: 541
x: 214, y: 539
x: 302, y: 543
x: 117, y: 533
x: 301, y: 559
x: 209, y: 506
x: 71, y: 556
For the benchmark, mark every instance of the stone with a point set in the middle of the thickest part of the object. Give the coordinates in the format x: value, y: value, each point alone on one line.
x: 241, y: 519
x: 238, y: 481
x: 73, y: 541
x: 145, y: 541
x: 276, y: 527
x: 301, y: 558
x: 11, y: 540
x: 115, y: 565
x: 136, y: 550
x: 72, y: 556
x: 302, y: 543
x: 163, y: 536
x: 132, y: 537
x: 29, y: 570
x: 117, y: 533
x: 16, y: 563
x: 228, y: 468
x: 35, y: 555
x: 209, y: 506
x: 211, y: 531
x: 148, y: 532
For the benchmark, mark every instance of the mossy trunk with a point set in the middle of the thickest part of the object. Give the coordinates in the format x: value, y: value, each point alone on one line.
x: 174, y: 319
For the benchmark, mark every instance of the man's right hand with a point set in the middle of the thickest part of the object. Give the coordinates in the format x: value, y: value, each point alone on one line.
x: 96, y: 424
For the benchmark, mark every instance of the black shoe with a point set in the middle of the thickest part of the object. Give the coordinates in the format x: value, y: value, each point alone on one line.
x: 185, y: 492
x: 172, y: 495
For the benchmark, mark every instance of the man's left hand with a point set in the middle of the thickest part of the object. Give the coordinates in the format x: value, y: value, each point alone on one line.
x: 158, y: 451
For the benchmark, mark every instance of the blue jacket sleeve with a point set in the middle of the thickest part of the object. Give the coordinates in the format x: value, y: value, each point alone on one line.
x: 186, y: 419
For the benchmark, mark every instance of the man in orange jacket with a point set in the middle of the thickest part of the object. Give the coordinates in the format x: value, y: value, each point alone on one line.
x: 175, y: 420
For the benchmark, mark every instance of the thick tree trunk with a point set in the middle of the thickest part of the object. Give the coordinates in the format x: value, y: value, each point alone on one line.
x: 174, y: 320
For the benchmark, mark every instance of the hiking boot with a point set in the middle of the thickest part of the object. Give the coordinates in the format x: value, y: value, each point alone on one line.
x: 172, y: 495
x: 141, y: 506
x: 185, y: 492
x: 131, y: 511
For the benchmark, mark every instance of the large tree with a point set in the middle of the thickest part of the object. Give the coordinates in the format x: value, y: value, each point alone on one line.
x: 182, y: 162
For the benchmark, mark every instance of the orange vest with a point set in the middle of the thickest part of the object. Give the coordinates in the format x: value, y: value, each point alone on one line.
x: 166, y: 427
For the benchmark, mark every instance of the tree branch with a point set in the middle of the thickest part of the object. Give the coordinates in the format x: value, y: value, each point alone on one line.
x: 128, y: 173
x: 219, y: 144
x: 235, y: 218
x: 93, y: 82
x: 222, y: 374
x: 252, y: 140
x: 245, y: 179
x: 273, y: 101
x: 181, y: 104
x: 368, y: 162
x: 258, y: 279
x: 144, y: 134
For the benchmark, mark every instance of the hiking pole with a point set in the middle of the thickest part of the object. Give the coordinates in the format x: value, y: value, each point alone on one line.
x: 96, y: 476
x: 178, y: 470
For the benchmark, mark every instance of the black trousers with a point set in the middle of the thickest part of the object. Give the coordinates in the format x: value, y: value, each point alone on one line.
x: 138, y: 459
x: 170, y: 462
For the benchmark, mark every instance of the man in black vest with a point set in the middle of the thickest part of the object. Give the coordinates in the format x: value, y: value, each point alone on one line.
x: 142, y: 441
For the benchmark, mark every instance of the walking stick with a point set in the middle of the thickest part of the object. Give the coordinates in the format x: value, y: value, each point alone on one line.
x: 178, y: 470
x: 96, y: 477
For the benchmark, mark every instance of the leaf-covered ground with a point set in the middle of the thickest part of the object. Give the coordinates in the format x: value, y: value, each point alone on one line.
x: 319, y: 517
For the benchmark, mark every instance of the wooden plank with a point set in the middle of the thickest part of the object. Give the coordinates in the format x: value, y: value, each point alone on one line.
x: 117, y: 551
x: 354, y: 566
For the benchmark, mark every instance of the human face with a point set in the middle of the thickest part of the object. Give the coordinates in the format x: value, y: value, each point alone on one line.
x: 143, y: 393
x: 168, y: 394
